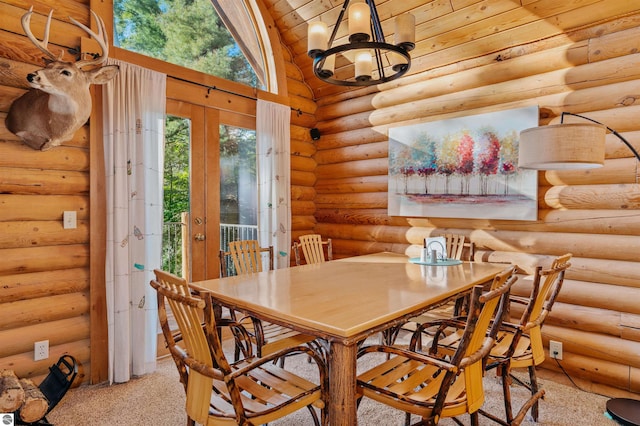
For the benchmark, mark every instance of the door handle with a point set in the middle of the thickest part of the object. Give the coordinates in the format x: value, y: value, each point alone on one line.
x: 199, y: 237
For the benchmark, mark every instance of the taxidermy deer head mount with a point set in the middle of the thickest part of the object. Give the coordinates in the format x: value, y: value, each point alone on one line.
x: 59, y: 102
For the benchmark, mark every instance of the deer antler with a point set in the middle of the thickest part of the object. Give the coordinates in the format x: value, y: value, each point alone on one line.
x: 42, y: 45
x: 101, y: 38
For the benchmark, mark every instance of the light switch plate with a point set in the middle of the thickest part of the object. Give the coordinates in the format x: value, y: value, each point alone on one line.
x: 69, y: 220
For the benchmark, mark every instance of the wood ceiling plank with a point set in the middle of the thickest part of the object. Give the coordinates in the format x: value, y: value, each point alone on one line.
x: 495, y: 31
x: 449, y: 31
x: 533, y: 31
x: 297, y: 34
x: 281, y: 7
x: 308, y: 12
x: 458, y: 29
x: 460, y: 4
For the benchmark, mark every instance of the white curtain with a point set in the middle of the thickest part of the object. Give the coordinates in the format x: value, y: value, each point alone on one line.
x: 274, y: 214
x: 134, y: 113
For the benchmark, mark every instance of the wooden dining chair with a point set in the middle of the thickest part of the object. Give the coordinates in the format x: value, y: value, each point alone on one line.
x: 458, y: 247
x: 246, y: 256
x: 173, y: 337
x: 267, y: 337
x: 519, y: 343
x: 434, y: 385
x: 313, y: 249
x: 251, y: 391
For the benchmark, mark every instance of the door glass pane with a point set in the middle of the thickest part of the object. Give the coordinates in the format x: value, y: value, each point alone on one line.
x: 238, y: 186
x: 176, y: 192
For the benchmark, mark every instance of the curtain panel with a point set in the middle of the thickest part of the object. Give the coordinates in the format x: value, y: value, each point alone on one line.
x: 134, y: 113
x: 274, y: 179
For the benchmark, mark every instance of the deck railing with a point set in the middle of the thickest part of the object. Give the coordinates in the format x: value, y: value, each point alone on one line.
x: 173, y: 247
x: 234, y: 233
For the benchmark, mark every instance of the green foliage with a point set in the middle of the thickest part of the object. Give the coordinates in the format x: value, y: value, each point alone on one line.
x: 176, y: 168
x: 137, y: 27
x: 183, y: 32
x: 238, y: 175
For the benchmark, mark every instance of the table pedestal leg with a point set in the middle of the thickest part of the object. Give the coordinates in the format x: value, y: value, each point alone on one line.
x: 342, y: 384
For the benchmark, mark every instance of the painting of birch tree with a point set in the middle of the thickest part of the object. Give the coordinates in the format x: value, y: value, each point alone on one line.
x: 464, y: 167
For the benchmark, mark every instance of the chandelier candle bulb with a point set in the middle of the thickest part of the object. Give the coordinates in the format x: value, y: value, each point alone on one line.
x: 405, y: 29
x: 359, y: 22
x: 317, y: 37
x: 364, y: 65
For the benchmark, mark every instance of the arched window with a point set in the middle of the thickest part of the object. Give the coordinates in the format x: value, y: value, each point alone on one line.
x: 219, y: 40
x: 245, y: 20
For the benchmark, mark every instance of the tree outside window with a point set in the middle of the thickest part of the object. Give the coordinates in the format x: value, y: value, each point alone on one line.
x: 188, y: 33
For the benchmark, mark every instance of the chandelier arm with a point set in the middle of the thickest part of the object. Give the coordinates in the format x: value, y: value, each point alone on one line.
x: 335, y: 27
x: 378, y: 36
x: 626, y: 142
x: 377, y: 33
x: 318, y: 60
x: 378, y: 55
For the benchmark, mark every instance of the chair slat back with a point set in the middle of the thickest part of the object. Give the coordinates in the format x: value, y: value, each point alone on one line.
x: 546, y: 287
x: 478, y: 337
x: 456, y: 244
x: 246, y: 256
x: 201, y: 349
x: 312, y: 249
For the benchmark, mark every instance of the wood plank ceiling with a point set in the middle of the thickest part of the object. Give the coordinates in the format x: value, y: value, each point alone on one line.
x: 447, y: 31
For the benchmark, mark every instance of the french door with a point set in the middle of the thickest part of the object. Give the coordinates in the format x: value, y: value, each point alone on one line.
x: 202, y: 242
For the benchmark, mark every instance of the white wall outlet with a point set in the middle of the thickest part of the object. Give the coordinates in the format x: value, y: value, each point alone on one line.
x: 69, y: 220
x: 555, y: 349
x: 41, y: 350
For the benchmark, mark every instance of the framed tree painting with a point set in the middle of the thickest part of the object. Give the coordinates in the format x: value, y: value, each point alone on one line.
x: 463, y: 167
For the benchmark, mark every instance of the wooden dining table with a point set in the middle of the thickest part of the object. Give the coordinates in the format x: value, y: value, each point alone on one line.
x: 344, y: 302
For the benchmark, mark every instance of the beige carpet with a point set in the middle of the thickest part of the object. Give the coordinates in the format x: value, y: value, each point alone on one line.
x: 158, y: 399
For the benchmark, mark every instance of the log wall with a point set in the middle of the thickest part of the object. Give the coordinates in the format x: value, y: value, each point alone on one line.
x: 593, y: 214
x: 44, y: 269
x: 303, y: 149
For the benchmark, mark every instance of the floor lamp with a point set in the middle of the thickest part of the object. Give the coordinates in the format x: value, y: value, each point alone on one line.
x: 575, y: 146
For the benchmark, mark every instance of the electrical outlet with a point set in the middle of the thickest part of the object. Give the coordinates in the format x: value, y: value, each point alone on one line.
x: 41, y: 350
x: 555, y: 349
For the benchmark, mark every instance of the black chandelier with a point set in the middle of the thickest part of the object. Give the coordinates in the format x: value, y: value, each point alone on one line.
x: 374, y: 60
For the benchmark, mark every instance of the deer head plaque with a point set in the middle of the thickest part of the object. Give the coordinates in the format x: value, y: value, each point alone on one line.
x: 59, y: 102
